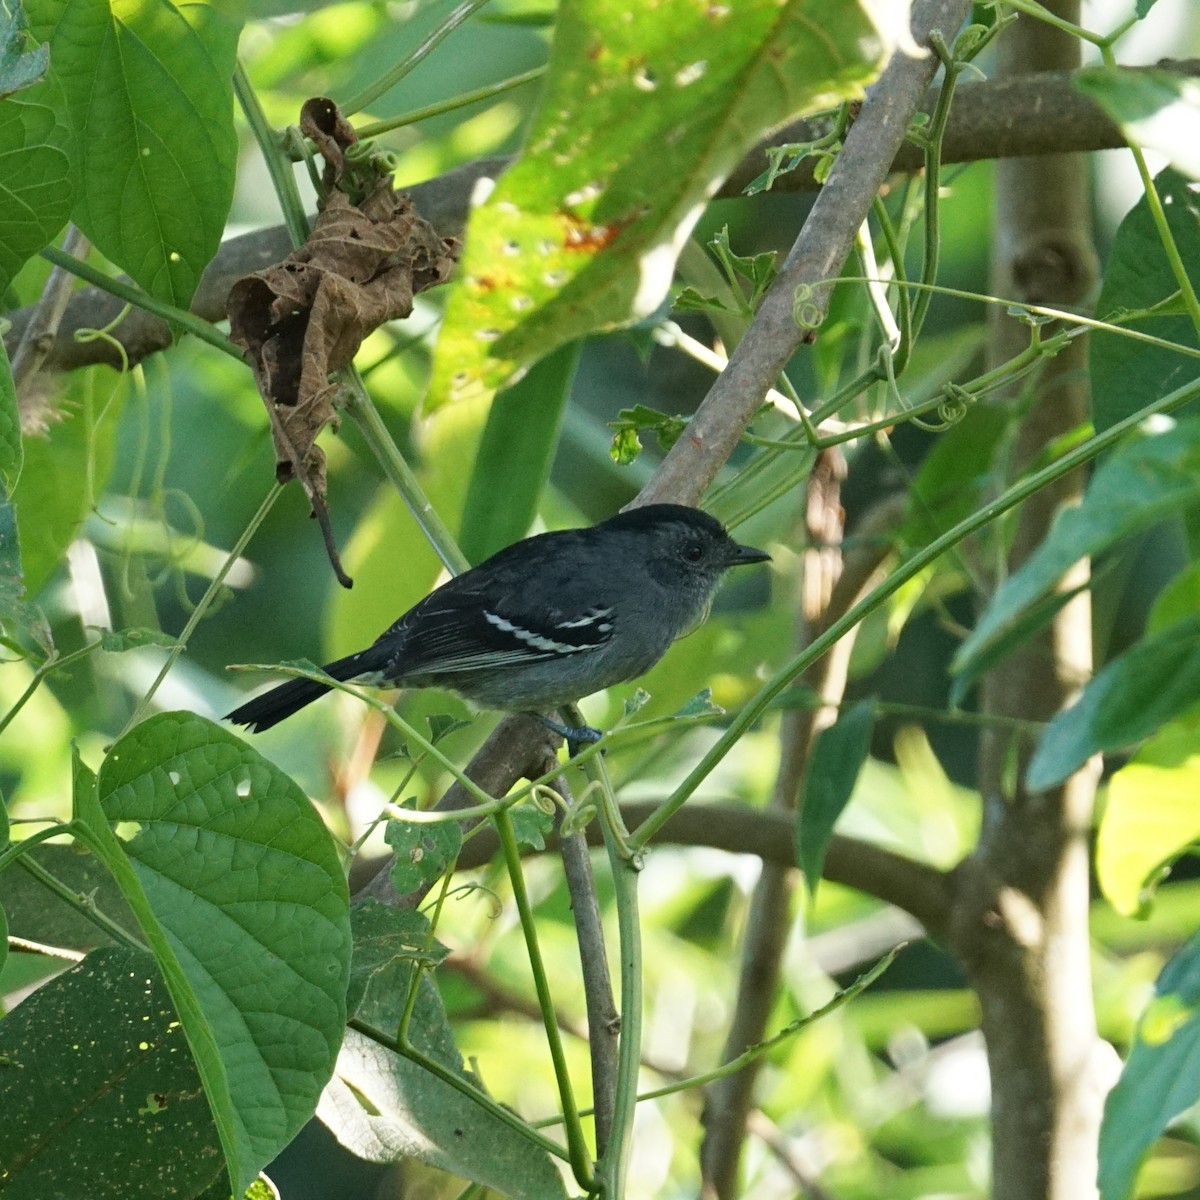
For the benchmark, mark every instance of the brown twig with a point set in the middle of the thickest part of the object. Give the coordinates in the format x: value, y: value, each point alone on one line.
x: 918, y: 889
x: 40, y: 333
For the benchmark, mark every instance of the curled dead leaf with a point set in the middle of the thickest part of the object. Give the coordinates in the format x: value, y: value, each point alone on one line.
x: 305, y: 318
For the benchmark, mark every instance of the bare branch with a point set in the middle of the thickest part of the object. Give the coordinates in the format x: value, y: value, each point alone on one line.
x: 918, y: 889
x: 41, y: 330
x: 604, y: 1022
x: 1014, y: 116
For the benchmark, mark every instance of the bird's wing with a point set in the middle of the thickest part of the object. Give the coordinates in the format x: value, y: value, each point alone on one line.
x: 459, y: 631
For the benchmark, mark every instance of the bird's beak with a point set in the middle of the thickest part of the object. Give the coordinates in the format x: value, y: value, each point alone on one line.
x: 744, y: 555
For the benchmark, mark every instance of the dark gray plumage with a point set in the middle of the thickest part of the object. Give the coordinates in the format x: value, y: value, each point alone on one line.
x: 547, y: 620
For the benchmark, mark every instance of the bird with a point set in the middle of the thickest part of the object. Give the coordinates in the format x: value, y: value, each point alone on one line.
x: 546, y: 621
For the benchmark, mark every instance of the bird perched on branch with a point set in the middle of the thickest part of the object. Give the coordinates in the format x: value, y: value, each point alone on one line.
x: 547, y: 620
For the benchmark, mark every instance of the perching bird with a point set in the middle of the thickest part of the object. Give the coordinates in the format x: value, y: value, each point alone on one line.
x: 545, y: 621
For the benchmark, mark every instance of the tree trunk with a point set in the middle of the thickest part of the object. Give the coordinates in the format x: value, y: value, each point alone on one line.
x: 1021, y: 926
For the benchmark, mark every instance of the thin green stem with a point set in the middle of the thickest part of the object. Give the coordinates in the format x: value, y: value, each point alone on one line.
x: 593, y: 767
x: 48, y: 667
x: 210, y: 594
x: 1166, y: 238
x: 401, y: 476
x: 1032, y: 8
x: 1009, y: 499
x: 179, y: 317
x: 389, y: 79
x: 614, y: 1166
x: 1041, y: 310
x: 903, y: 302
x: 932, y: 245
x: 414, y: 986
x: 577, y: 1148
x: 279, y: 166
x: 82, y: 904
x: 375, y: 128
x: 734, y: 1065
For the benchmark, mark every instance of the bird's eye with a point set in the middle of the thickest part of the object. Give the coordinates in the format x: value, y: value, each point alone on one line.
x: 693, y: 552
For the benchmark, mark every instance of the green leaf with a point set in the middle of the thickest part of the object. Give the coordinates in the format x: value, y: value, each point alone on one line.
x: 64, y: 471
x: 1131, y: 698
x: 699, y: 708
x: 1146, y: 479
x: 639, y: 122
x: 149, y: 94
x: 1154, y: 108
x: 392, y: 948
x: 626, y: 444
x: 955, y: 476
x: 424, y: 851
x: 239, y: 889
x: 759, y: 270
x: 1150, y: 817
x: 20, y: 66
x: 99, y: 1091
x: 23, y: 623
x: 385, y: 1108
x: 514, y: 457
x: 1160, y: 1079
x: 837, y: 758
x: 530, y: 825
x: 117, y: 641
x: 442, y: 725
x: 383, y: 936
x: 37, y: 179
x: 1126, y: 374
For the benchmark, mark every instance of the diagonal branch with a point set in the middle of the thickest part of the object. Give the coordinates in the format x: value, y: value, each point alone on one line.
x: 805, y: 279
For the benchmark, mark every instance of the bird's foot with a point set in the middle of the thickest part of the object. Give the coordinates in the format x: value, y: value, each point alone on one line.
x: 577, y: 736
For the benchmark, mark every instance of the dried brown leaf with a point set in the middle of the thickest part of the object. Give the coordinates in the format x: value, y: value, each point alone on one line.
x: 305, y: 318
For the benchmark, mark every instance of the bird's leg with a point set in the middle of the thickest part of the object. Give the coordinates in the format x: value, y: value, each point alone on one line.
x: 577, y: 736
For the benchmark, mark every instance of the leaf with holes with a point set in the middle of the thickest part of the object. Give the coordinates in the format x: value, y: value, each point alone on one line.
x: 99, y: 1091
x: 423, y: 849
x: 239, y: 889
x: 639, y: 123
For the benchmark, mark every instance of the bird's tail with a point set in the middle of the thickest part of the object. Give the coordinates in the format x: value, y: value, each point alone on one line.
x: 280, y: 702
